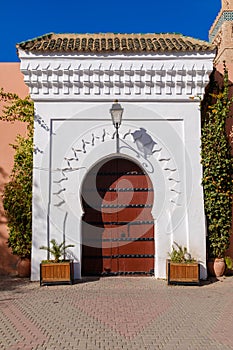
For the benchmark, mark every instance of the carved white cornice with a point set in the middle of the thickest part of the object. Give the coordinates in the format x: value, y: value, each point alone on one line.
x: 153, y: 78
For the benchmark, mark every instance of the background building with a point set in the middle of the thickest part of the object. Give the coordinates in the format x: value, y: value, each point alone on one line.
x: 11, y: 80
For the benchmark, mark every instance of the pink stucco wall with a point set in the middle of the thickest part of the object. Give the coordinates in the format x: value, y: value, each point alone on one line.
x: 11, y: 79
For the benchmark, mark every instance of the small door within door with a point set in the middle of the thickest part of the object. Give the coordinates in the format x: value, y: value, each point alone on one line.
x: 118, y: 227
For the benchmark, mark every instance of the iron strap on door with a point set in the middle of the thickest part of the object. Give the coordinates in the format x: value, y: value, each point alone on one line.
x: 119, y: 256
x: 122, y: 223
x: 118, y: 206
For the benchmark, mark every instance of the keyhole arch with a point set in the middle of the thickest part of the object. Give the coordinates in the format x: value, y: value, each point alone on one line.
x: 117, y: 225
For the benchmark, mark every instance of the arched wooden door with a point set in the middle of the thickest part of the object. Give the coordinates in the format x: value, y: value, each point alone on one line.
x: 117, y: 227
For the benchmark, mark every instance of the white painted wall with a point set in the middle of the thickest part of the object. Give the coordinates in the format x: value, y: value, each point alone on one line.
x: 73, y: 131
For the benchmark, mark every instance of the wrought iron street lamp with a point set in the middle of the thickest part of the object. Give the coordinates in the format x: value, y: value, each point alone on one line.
x: 116, y: 113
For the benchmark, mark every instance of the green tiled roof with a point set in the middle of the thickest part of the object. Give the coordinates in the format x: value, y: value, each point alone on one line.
x: 109, y: 42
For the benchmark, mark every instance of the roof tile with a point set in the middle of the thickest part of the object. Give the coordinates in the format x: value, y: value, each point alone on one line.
x: 114, y: 42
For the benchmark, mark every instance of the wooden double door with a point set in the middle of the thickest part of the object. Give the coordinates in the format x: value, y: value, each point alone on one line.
x: 117, y: 226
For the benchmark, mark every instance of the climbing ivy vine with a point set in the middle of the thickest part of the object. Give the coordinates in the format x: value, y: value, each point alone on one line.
x: 17, y: 196
x: 217, y: 166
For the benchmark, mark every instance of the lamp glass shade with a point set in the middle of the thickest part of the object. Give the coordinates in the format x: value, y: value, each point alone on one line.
x: 116, y: 114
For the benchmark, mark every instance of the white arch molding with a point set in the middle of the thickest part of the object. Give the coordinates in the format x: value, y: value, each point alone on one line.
x: 98, y: 144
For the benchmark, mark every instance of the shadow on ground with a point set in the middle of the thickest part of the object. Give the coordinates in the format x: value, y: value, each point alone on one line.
x: 17, y: 284
x: 87, y: 279
x: 10, y: 283
x: 209, y: 280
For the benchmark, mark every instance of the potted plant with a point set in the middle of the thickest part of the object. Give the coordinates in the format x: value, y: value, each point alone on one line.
x: 181, y: 267
x: 59, y: 270
x: 216, y: 262
x: 219, y: 264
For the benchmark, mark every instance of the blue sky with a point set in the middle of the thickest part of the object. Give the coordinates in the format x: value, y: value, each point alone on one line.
x: 22, y: 20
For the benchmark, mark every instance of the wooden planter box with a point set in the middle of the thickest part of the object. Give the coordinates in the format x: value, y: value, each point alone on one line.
x: 183, y: 273
x: 57, y: 273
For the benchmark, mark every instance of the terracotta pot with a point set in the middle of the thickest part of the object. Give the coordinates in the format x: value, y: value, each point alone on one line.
x: 24, y: 267
x: 216, y: 267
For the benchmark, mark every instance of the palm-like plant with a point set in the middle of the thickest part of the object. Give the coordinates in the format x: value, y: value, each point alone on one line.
x: 57, y: 250
x: 180, y: 254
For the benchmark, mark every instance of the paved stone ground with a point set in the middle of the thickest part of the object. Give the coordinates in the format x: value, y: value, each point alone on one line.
x: 116, y: 313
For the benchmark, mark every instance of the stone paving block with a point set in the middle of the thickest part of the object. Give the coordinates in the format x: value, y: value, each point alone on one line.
x: 116, y: 313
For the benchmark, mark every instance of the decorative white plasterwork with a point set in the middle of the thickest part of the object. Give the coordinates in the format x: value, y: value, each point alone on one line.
x: 75, y: 78
x: 73, y: 162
